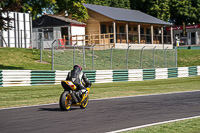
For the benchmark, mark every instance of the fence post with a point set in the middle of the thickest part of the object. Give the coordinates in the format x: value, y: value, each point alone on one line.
x: 74, y: 54
x: 83, y: 55
x: 52, y: 55
x: 154, y: 57
x: 166, y: 58
x: 141, y: 58
x: 176, y: 56
x: 127, y: 57
x: 93, y: 56
x: 111, y: 56
x: 41, y: 47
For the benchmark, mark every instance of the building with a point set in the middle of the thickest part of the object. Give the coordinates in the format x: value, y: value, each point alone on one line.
x: 48, y: 28
x: 192, y: 34
x: 19, y: 36
x: 106, y: 27
x: 109, y: 25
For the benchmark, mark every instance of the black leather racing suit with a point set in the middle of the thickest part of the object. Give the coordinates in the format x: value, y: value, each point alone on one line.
x: 76, y: 76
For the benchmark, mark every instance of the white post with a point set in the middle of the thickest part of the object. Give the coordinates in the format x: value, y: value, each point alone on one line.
x: 126, y: 32
x: 171, y: 35
x: 151, y: 34
x: 162, y: 39
x: 114, y: 32
x: 138, y: 33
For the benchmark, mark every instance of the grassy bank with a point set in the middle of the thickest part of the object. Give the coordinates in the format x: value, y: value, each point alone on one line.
x: 188, y: 57
x: 34, y: 95
x: 185, y: 126
x: 23, y: 59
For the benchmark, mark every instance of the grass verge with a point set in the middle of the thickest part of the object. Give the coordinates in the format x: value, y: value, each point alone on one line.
x: 34, y: 95
x: 185, y: 126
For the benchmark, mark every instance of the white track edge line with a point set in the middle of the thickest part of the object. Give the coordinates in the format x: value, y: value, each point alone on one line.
x: 104, y: 99
x: 153, y: 124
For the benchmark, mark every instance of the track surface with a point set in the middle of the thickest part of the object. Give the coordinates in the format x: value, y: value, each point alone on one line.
x: 101, y: 115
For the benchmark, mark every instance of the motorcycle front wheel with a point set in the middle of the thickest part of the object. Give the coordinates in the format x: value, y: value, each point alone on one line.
x: 64, y: 102
x: 84, y: 103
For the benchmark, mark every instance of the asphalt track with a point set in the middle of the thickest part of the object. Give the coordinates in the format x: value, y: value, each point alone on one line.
x: 101, y: 115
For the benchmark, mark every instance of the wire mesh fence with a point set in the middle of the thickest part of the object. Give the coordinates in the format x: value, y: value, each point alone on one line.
x: 116, y: 59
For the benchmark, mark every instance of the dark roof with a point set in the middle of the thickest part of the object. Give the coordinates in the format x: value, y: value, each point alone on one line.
x: 128, y: 15
x: 50, y: 20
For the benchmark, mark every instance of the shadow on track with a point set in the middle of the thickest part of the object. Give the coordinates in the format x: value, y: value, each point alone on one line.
x: 54, y: 109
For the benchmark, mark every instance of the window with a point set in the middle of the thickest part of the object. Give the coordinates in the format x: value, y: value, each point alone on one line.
x: 142, y: 31
x: 135, y: 29
x: 129, y: 28
x: 156, y: 31
x: 103, y: 29
x: 110, y: 29
x: 48, y: 33
x: 148, y: 31
x: 121, y: 29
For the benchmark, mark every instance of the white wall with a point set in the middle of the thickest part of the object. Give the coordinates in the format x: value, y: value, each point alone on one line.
x: 78, y: 30
x: 20, y: 34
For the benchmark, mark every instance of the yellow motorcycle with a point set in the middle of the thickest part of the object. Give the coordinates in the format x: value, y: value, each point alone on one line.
x: 69, y: 97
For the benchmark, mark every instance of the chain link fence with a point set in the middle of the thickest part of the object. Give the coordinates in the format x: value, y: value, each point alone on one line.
x: 63, y: 58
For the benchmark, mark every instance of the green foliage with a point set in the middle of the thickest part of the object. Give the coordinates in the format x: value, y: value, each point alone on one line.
x: 37, y: 7
x: 111, y: 3
x: 176, y: 11
x: 5, y: 6
x: 75, y: 8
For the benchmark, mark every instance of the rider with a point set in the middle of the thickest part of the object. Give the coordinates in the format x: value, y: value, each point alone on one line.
x: 76, y: 75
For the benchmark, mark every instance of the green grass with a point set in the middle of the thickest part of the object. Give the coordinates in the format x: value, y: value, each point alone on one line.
x: 29, y: 59
x: 34, y: 95
x: 185, y: 126
x: 24, y: 59
x: 188, y: 57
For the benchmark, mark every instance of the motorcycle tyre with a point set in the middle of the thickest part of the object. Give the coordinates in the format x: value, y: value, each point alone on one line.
x: 63, y: 101
x: 84, y: 105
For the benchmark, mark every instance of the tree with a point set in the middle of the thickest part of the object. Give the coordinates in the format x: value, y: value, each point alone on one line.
x: 38, y: 7
x: 5, y: 6
x: 75, y: 8
x: 156, y: 8
x: 111, y: 3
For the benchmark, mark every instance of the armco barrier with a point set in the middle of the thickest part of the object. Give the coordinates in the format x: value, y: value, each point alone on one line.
x: 42, y: 77
x: 161, y: 73
x: 104, y: 76
x: 198, y: 70
x: 16, y: 78
x: 149, y: 74
x: 193, y: 71
x: 34, y: 77
x: 120, y: 75
x: 135, y: 75
x: 1, y: 80
x: 172, y: 72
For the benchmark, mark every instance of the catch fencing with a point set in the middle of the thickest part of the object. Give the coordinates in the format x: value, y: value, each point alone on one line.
x: 41, y: 77
x: 91, y: 58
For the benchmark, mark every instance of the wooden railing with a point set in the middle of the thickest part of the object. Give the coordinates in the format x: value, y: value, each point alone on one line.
x: 102, y: 41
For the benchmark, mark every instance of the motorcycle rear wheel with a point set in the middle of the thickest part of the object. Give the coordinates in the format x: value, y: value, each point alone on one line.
x: 84, y: 103
x: 65, y: 101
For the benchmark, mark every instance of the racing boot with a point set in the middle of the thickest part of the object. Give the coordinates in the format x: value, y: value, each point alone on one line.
x: 78, y: 95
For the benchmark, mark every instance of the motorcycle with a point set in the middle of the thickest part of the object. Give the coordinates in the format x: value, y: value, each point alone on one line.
x: 70, y: 96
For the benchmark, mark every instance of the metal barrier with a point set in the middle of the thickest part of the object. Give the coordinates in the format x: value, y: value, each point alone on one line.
x: 34, y: 77
x: 113, y: 58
